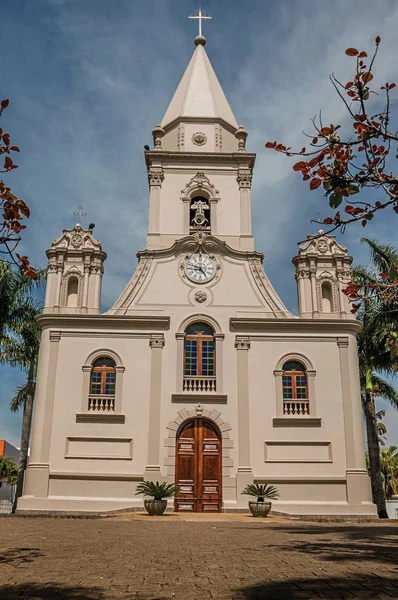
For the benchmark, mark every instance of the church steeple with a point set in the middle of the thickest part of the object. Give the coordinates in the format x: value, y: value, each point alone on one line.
x: 199, y: 163
x: 199, y: 94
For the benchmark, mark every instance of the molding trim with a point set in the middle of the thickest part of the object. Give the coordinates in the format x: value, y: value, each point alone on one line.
x: 333, y: 326
x: 296, y: 422
x: 96, y: 476
x: 99, y: 418
x: 104, y: 321
x: 201, y: 398
x: 299, y: 480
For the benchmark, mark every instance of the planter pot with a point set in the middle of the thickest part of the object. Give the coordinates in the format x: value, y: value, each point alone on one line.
x: 155, y: 507
x: 260, y: 509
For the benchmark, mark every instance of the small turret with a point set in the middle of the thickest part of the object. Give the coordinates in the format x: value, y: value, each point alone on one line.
x: 74, y: 273
x: 323, y: 269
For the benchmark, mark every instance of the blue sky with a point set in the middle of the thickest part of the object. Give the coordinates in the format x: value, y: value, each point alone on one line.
x: 88, y: 81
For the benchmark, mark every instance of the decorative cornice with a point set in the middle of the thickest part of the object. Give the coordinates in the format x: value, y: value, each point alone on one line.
x: 295, y: 325
x: 106, y: 321
x: 245, y: 159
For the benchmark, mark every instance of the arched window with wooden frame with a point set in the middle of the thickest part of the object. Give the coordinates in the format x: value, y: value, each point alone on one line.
x: 199, y: 359
x: 295, y: 388
x: 102, y: 385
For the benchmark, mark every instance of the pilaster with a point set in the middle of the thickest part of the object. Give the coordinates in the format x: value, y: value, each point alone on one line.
x: 358, y: 486
x: 244, y: 474
x: 152, y: 470
x: 37, y: 473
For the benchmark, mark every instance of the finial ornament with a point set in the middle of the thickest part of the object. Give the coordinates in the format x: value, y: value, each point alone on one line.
x: 200, y: 15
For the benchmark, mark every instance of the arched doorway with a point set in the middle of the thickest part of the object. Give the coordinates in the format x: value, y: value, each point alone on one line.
x: 198, y: 466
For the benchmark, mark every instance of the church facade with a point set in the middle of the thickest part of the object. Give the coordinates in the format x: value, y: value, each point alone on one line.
x: 198, y: 374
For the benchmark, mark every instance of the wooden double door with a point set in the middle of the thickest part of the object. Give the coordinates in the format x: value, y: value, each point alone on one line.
x: 198, y: 467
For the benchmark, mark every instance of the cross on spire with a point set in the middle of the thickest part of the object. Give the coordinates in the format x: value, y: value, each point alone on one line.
x: 201, y: 16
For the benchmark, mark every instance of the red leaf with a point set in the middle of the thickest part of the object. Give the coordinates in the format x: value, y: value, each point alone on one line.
x: 5, y: 103
x: 328, y: 221
x: 6, y: 139
x: 392, y: 85
x: 378, y: 40
x: 349, y: 209
x: 352, y: 52
x: 15, y: 148
x: 300, y: 166
x: 363, y: 222
x: 270, y: 144
x: 362, y: 54
x: 315, y: 183
x: 351, y: 94
x: 302, y: 150
x: 383, y: 275
x: 367, y: 77
x: 315, y: 140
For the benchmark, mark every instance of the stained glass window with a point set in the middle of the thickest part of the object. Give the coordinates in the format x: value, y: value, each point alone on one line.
x: 294, y: 381
x: 103, y: 377
x: 199, y: 356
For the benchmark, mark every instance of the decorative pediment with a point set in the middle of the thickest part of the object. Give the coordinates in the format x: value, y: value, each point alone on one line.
x: 322, y: 244
x: 76, y: 239
x: 200, y: 181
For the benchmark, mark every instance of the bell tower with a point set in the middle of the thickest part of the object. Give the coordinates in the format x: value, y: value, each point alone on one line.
x: 199, y: 170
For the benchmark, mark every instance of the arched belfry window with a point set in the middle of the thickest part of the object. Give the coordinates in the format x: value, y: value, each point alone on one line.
x: 295, y: 388
x: 102, y: 385
x: 199, y: 359
x: 72, y: 292
x: 199, y: 214
x: 327, y: 297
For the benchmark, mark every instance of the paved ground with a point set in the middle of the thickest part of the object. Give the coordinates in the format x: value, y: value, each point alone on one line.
x: 147, y: 559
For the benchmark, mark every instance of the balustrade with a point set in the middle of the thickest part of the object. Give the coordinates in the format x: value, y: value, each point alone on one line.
x: 205, y: 385
x: 101, y: 403
x: 296, y: 407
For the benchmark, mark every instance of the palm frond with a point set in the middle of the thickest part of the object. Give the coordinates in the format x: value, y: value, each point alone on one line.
x: 260, y: 490
x: 383, y: 256
x: 19, y: 398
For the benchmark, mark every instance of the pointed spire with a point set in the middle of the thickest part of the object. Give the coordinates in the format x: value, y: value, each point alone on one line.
x: 199, y: 93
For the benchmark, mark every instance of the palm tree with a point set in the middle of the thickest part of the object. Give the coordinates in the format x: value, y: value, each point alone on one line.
x: 389, y: 470
x: 21, y: 349
x: 19, y: 345
x: 378, y: 317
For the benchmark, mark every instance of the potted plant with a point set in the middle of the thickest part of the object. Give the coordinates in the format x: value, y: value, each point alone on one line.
x: 158, y: 491
x: 262, y: 492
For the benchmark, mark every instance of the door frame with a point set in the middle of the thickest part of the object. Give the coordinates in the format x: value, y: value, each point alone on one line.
x: 218, y: 432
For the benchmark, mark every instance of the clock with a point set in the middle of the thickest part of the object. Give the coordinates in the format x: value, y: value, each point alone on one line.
x: 200, y: 268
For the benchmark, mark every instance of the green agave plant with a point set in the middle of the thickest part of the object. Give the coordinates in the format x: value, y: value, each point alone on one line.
x: 261, y: 491
x: 157, y: 490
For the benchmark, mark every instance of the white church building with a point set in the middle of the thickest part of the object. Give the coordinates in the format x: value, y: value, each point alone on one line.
x: 198, y: 374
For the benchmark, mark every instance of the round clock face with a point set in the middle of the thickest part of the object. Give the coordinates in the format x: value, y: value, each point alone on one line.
x: 199, y: 268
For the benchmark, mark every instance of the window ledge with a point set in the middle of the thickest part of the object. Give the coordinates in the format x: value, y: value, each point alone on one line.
x: 198, y: 397
x: 296, y: 422
x: 101, y: 417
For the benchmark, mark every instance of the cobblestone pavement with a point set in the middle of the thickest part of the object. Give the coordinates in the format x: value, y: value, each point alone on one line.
x: 138, y: 559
